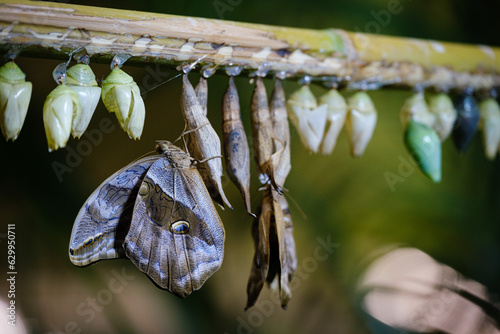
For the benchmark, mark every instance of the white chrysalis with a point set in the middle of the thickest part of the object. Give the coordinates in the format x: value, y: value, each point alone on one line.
x: 441, y: 105
x: 489, y: 123
x: 360, y: 122
x: 335, y: 117
x: 307, y: 117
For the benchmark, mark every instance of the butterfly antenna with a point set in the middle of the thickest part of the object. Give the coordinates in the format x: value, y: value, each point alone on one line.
x: 161, y: 83
x: 302, y: 213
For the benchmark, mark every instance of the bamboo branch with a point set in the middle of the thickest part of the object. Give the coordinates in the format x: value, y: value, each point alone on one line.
x: 45, y: 29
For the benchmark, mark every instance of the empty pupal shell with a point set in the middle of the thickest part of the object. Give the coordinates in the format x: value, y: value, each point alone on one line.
x: 236, y: 150
x: 262, y: 131
x: 261, y: 260
x: 415, y: 108
x: 15, y: 95
x: 361, y: 120
x: 281, y: 129
x: 81, y: 79
x: 335, y: 117
x: 490, y: 125
x: 279, y: 262
x: 466, y: 122
x: 424, y: 145
x: 307, y: 117
x: 122, y: 96
x: 203, y: 142
x: 61, y: 106
x: 291, y: 253
x: 201, y: 91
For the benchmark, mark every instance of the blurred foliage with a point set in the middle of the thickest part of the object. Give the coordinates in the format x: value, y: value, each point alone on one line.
x: 346, y: 200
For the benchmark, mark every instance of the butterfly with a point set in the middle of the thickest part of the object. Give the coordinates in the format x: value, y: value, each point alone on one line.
x: 157, y: 212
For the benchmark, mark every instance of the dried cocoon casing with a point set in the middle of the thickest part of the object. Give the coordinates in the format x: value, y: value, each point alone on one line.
x: 441, y: 105
x: 262, y: 131
x: 121, y: 95
x: 275, y: 256
x: 424, y: 145
x: 281, y: 168
x: 335, y: 117
x: 202, y: 142
x: 260, y: 264
x: 201, y: 91
x: 278, y: 275
x: 81, y: 79
x: 490, y: 126
x: 361, y: 120
x: 307, y: 117
x: 466, y: 122
x: 291, y: 254
x: 61, y: 106
x: 415, y: 108
x: 15, y: 95
x: 236, y: 150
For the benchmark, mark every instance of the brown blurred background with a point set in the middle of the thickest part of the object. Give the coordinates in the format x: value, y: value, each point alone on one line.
x: 344, y: 200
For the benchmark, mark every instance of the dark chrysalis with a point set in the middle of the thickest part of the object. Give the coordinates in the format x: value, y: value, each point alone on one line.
x: 466, y: 123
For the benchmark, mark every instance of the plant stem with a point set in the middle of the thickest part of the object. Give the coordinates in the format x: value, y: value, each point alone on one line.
x: 331, y: 56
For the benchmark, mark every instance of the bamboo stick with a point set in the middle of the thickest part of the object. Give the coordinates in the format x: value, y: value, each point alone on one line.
x: 330, y: 56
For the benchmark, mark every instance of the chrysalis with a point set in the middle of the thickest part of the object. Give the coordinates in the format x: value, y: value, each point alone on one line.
x: 61, y: 106
x: 415, y: 108
x: 420, y: 137
x: 201, y: 91
x: 424, y: 145
x: 262, y: 131
x: 274, y: 260
x: 82, y: 80
x: 307, y: 117
x: 278, y: 276
x: 291, y: 254
x: 336, y: 115
x: 236, y: 150
x: 490, y: 125
x: 203, y: 142
x: 466, y: 123
x: 261, y: 237
x: 441, y: 105
x: 281, y: 130
x: 15, y: 95
x: 361, y: 120
x: 122, y: 96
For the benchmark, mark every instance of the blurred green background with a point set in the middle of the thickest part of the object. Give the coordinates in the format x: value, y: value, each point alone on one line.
x: 345, y: 200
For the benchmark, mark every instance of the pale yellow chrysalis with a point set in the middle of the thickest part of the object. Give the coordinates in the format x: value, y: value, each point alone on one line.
x: 122, y: 96
x: 60, y: 108
x: 15, y: 95
x: 81, y: 79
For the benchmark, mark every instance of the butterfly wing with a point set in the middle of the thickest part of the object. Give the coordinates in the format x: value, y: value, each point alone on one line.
x: 176, y: 236
x: 104, y: 219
